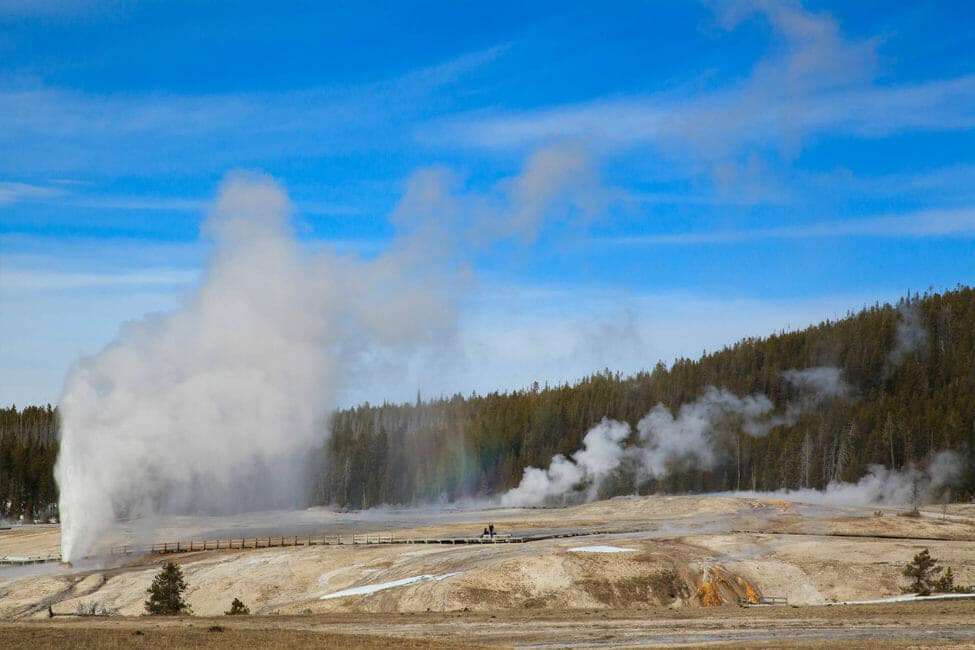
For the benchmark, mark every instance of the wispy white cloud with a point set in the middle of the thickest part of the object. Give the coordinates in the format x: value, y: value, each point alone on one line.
x: 815, y: 82
x: 610, y: 123
x: 949, y: 182
x: 94, y: 255
x: 53, y: 8
x: 169, y: 204
x: 869, y: 112
x: 44, y: 280
x: 948, y: 186
x: 448, y: 72
x: 66, y: 195
x: 63, y: 112
x: 927, y: 223
x: 60, y: 130
x: 16, y: 192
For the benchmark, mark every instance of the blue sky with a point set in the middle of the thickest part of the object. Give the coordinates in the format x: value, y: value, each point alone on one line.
x: 718, y: 170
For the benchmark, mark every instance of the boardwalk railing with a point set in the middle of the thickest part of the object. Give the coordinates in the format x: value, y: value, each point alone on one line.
x: 24, y: 561
x: 277, y: 541
x: 274, y: 541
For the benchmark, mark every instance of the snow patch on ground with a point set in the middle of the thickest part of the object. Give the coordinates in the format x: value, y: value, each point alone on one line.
x: 371, y: 589
x: 903, y: 599
x: 601, y: 549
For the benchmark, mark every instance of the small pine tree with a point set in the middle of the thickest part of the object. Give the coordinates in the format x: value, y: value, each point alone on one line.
x: 237, y: 608
x: 946, y: 583
x: 922, y: 571
x: 166, y: 593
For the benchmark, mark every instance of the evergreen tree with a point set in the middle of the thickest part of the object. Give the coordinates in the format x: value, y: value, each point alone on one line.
x: 166, y: 593
x: 921, y: 571
x: 946, y: 583
x: 237, y: 608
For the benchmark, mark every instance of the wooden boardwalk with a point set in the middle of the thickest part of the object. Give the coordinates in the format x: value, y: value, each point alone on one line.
x: 280, y: 541
x: 241, y: 543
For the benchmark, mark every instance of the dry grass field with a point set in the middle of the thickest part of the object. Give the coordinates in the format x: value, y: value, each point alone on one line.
x: 898, y: 625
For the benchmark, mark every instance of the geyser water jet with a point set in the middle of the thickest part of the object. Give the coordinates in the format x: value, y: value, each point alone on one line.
x: 214, y: 408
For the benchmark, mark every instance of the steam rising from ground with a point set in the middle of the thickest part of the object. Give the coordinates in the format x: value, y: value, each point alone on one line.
x: 663, y: 440
x: 602, y: 452
x: 912, y: 485
x: 909, y: 337
x: 691, y: 439
x: 213, y: 408
x: 820, y: 383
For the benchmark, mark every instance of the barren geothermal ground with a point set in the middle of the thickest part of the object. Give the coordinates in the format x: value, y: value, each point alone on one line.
x: 648, y: 571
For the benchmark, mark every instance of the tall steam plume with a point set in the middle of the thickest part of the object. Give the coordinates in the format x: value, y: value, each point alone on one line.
x: 213, y: 408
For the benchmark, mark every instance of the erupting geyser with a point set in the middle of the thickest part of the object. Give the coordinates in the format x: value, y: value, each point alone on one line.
x: 213, y: 408
x: 209, y: 408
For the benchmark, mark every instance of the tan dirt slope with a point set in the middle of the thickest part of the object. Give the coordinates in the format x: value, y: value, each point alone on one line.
x: 809, y: 554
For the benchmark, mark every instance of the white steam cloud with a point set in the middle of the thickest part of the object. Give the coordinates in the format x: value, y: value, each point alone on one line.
x: 663, y: 439
x: 912, y: 485
x: 214, y: 407
x: 816, y: 385
x: 691, y: 438
x: 601, y: 454
x: 820, y: 383
x: 909, y: 337
x: 666, y: 439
